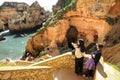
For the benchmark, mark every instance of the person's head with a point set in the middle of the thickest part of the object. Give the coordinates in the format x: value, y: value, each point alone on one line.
x: 81, y: 45
x: 99, y: 46
x: 8, y: 59
x: 81, y: 42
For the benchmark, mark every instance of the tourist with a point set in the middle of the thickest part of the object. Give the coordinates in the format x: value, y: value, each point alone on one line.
x: 8, y: 61
x: 90, y: 66
x: 97, y: 53
x: 79, y: 56
x: 26, y: 56
x: 93, y: 61
x: 30, y: 58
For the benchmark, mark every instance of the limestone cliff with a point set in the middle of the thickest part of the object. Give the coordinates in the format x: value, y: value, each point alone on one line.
x: 19, y: 16
x: 81, y: 19
x: 1, y: 25
x: 112, y: 54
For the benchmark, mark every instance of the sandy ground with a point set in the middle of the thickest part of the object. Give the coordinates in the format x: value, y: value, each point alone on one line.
x: 104, y: 72
x: 68, y: 74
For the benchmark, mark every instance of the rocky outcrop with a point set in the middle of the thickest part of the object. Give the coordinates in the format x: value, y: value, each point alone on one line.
x: 86, y: 19
x: 35, y: 5
x: 115, y: 10
x: 12, y: 5
x: 113, y: 36
x: 1, y: 25
x: 19, y: 16
x: 1, y: 38
x: 112, y: 54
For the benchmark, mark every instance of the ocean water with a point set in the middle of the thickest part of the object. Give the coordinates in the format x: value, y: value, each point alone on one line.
x: 14, y: 45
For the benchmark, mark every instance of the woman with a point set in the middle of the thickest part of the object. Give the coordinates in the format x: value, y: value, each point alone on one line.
x: 79, y: 56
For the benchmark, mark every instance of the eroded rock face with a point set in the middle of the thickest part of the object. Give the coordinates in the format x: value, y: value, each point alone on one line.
x: 86, y: 21
x: 115, y: 10
x: 19, y: 16
x: 112, y: 54
x: 1, y: 25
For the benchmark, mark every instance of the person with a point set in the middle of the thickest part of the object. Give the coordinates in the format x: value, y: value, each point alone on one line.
x: 27, y: 56
x: 79, y: 57
x: 93, y: 61
x: 81, y: 45
x: 90, y: 66
x: 30, y: 57
x: 97, y: 53
x: 8, y: 61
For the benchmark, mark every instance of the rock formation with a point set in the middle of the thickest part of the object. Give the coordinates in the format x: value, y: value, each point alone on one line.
x: 1, y: 38
x: 19, y: 16
x: 112, y: 54
x: 82, y: 19
x: 1, y: 25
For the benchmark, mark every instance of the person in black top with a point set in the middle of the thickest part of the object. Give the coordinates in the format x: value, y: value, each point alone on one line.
x: 97, y: 53
x: 81, y: 45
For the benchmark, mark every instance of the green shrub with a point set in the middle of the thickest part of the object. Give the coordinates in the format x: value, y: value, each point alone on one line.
x: 67, y: 6
x: 113, y: 20
x: 3, y: 64
x: 110, y: 20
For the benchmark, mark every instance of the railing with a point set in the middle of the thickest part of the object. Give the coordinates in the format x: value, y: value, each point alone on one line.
x: 43, y: 70
x: 26, y: 73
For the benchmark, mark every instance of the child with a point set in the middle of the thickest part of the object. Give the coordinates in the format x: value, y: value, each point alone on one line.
x: 90, y: 66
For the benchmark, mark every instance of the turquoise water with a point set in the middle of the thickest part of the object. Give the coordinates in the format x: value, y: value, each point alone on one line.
x: 14, y: 46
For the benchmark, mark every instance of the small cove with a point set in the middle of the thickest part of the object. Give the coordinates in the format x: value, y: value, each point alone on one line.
x: 14, y: 45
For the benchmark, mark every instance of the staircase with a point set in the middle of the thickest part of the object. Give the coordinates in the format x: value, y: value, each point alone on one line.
x: 60, y: 67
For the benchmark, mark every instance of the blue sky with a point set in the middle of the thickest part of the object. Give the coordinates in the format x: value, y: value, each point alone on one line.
x: 47, y: 4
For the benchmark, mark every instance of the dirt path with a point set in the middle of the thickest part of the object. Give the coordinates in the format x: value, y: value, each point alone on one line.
x: 112, y: 74
x: 68, y: 74
x: 107, y: 72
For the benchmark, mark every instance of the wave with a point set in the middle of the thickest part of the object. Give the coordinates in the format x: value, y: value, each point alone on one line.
x: 4, y: 32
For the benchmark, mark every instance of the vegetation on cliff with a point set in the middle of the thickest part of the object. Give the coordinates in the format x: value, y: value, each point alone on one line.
x: 111, y: 51
x: 66, y: 5
x: 4, y: 64
x: 113, y: 36
x: 113, y: 20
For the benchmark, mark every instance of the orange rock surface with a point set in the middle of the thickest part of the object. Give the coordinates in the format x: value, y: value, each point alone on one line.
x: 86, y: 21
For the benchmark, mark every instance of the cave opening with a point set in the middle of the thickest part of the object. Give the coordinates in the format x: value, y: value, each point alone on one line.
x: 6, y: 26
x: 95, y: 38
x: 71, y: 36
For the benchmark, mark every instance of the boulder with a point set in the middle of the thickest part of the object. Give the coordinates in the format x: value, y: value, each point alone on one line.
x: 2, y: 38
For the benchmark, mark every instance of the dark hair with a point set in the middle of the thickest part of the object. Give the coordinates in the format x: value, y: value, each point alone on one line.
x: 100, y: 45
x: 81, y: 45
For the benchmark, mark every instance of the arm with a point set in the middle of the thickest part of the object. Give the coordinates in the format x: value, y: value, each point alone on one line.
x: 73, y: 44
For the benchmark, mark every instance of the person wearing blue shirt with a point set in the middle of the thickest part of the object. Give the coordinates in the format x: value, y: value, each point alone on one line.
x: 97, y: 53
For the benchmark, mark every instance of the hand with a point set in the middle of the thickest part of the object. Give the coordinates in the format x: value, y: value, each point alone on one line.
x: 93, y: 56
